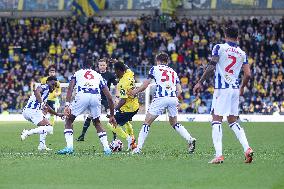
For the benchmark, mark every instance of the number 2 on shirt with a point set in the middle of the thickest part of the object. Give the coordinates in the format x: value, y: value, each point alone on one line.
x: 228, y: 68
x: 89, y: 75
x: 165, y: 76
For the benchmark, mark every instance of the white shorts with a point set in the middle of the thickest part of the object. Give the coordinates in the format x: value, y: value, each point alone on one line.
x: 86, y: 102
x: 159, y: 105
x: 33, y: 115
x: 226, y: 102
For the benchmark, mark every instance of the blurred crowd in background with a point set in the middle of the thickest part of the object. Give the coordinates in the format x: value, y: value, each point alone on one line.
x: 29, y: 46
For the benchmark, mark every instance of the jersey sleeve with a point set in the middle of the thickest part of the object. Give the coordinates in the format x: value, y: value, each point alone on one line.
x: 151, y: 73
x: 103, y: 83
x: 43, y: 87
x: 216, y: 50
x: 177, y: 79
x: 245, y: 59
x: 58, y: 88
x: 43, y: 80
x: 73, y: 77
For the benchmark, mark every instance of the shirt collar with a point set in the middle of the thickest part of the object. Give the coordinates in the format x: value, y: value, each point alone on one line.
x: 232, y: 44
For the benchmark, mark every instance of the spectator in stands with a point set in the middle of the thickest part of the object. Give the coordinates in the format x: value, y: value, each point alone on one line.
x: 30, y: 45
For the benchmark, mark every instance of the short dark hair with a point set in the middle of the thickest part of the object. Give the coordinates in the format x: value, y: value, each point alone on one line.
x: 51, y: 67
x: 51, y: 78
x: 163, y: 58
x: 103, y: 60
x: 88, y: 63
x: 120, y: 66
x: 232, y: 32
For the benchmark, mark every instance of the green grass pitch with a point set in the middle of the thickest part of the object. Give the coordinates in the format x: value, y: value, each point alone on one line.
x: 163, y: 164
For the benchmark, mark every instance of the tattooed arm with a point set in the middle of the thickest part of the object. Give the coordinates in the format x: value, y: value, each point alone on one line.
x: 209, y: 71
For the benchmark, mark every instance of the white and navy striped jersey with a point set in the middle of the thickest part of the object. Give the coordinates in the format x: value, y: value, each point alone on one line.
x: 231, y: 59
x: 166, y: 80
x: 89, y: 81
x: 33, y: 103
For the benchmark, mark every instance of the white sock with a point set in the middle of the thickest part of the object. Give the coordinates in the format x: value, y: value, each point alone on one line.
x: 49, y: 129
x: 129, y: 141
x: 42, y: 139
x: 68, y: 133
x: 182, y: 131
x: 103, y: 139
x: 41, y: 130
x: 240, y: 134
x: 217, y: 137
x: 143, y: 135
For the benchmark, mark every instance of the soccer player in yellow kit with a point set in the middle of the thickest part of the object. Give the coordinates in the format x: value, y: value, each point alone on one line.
x: 127, y: 106
x: 52, y: 97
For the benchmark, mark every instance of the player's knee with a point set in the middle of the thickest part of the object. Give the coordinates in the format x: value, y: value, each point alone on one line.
x: 43, y: 122
x: 232, y: 119
x: 49, y: 129
x: 172, y: 121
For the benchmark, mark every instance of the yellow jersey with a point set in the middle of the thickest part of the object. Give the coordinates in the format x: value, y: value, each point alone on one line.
x: 52, y: 95
x: 126, y: 83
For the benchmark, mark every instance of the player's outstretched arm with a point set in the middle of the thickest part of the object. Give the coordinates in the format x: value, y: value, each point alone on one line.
x: 246, y: 78
x: 121, y: 102
x: 179, y: 91
x: 111, y: 105
x: 144, y: 85
x: 67, y: 110
x: 51, y: 111
x: 209, y: 71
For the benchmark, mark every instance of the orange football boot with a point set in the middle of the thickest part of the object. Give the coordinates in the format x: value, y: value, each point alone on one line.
x: 217, y: 160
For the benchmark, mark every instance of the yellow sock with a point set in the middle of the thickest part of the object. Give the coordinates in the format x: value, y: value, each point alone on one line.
x: 52, y: 120
x: 118, y: 130
x: 128, y: 128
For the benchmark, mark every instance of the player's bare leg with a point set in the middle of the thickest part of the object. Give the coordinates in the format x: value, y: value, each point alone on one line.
x: 68, y: 133
x: 144, y: 131
x: 217, y: 138
x: 241, y: 136
x: 44, y: 128
x: 102, y: 135
x: 179, y: 128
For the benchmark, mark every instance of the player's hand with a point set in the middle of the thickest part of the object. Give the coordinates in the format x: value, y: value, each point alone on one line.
x: 67, y: 111
x: 197, y: 88
x: 242, y: 89
x: 132, y: 92
x: 62, y: 116
x: 112, y: 121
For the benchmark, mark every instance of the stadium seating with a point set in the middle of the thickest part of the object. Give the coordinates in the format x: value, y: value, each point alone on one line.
x: 28, y: 46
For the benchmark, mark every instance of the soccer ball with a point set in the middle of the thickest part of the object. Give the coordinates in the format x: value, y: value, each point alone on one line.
x: 116, y: 145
